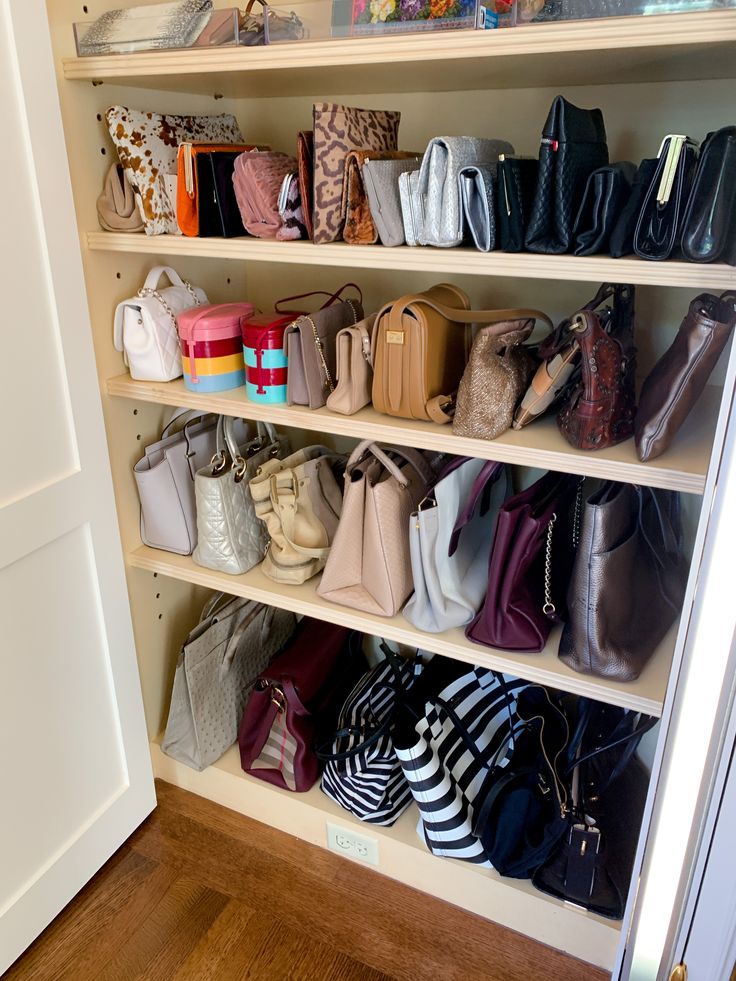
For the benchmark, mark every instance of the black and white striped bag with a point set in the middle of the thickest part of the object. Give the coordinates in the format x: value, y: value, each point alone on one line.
x: 444, y: 776
x: 362, y: 773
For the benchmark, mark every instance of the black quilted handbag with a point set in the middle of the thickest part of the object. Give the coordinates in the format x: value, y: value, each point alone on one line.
x: 573, y: 146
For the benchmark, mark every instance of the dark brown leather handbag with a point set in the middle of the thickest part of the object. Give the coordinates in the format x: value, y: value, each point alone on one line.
x: 602, y: 407
x: 677, y: 380
x: 628, y: 580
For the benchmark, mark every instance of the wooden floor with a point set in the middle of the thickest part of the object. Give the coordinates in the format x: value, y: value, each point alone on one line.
x: 200, y: 892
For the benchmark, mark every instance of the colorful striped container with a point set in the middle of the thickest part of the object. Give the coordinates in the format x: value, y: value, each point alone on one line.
x: 266, y: 364
x: 212, y: 347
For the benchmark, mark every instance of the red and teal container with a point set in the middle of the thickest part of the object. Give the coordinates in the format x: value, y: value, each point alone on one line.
x: 266, y: 364
x: 212, y: 347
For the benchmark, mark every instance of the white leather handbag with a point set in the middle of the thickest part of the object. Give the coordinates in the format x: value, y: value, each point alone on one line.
x: 450, y: 538
x: 145, y: 326
x: 230, y: 538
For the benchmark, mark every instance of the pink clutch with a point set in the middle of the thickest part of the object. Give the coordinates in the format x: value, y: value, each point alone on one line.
x: 258, y: 179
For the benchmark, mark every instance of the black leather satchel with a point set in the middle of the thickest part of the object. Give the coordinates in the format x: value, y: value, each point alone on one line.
x: 709, y: 226
x: 573, y: 146
x: 517, y: 182
x: 622, y: 236
x: 659, y: 227
x: 605, y: 195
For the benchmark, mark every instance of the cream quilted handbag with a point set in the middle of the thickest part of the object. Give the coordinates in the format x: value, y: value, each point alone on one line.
x: 230, y: 538
x: 369, y: 567
x: 145, y: 325
x: 299, y: 501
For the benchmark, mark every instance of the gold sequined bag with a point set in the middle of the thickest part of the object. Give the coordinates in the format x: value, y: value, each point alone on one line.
x: 497, y: 375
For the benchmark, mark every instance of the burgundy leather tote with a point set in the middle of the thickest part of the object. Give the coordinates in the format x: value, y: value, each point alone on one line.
x: 292, y: 701
x: 530, y: 565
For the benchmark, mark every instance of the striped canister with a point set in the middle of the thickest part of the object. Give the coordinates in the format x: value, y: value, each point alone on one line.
x: 266, y: 363
x: 212, y: 346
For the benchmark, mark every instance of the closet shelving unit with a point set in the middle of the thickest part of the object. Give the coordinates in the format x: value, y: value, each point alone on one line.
x: 491, y: 83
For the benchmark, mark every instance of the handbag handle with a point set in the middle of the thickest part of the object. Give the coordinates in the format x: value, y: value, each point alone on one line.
x: 286, y: 509
x: 331, y: 297
x: 489, y: 473
x: 266, y: 435
x: 469, y: 317
x: 412, y: 457
x: 155, y: 274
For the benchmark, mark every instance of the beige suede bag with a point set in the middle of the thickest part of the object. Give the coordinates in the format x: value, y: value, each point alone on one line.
x: 299, y: 500
x: 369, y: 567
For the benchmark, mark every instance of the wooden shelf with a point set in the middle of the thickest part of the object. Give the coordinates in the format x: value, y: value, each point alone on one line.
x: 512, y: 902
x: 457, y: 261
x: 682, y: 468
x: 646, y: 694
x: 658, y: 48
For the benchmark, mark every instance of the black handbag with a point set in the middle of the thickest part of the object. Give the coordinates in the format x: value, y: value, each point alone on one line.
x: 709, y: 226
x: 573, y: 146
x: 607, y: 787
x: 606, y: 193
x: 659, y: 225
x: 622, y: 236
x: 517, y: 181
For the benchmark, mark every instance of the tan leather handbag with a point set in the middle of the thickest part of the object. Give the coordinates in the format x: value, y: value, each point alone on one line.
x: 354, y: 368
x: 300, y: 501
x: 369, y: 567
x: 420, y: 349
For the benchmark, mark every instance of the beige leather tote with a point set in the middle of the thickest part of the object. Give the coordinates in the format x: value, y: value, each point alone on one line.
x: 300, y: 501
x: 354, y: 368
x: 369, y: 567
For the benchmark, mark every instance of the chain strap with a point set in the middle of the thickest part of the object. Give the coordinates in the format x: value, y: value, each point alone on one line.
x: 148, y: 291
x: 577, y: 515
x: 320, y: 350
x: 549, y: 608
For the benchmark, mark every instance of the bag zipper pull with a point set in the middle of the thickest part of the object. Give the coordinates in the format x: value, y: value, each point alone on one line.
x: 548, y: 141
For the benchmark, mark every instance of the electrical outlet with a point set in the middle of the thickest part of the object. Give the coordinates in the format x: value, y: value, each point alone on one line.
x: 352, y: 843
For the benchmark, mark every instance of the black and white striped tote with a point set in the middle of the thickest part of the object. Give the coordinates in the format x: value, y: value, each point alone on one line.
x: 444, y: 776
x: 362, y: 773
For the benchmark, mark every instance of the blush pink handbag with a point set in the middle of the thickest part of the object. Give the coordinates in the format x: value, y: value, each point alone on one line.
x: 258, y: 179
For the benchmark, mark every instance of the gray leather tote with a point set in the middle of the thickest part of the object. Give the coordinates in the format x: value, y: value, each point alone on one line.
x: 234, y: 641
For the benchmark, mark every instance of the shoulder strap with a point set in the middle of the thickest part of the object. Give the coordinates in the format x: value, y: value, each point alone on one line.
x: 489, y: 474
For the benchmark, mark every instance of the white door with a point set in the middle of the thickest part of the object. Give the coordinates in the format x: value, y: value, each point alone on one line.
x: 75, y: 773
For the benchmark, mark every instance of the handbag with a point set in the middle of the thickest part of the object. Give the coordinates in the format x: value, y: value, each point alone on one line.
x: 310, y: 346
x: 293, y: 702
x: 369, y: 567
x: 630, y: 537
x: 230, y: 537
x: 677, y: 380
x: 354, y: 368
x: 305, y: 170
x: 190, y: 197
x: 268, y: 26
x: 622, y: 236
x: 659, y: 225
x: 148, y: 28
x: 337, y: 131
x: 412, y: 207
x: 497, y: 375
x: 709, y: 225
x: 145, y: 325
x: 212, y: 346
x: 164, y: 476
x: 257, y: 179
x: 450, y: 538
x: 358, y: 225
x: 478, y: 206
x: 233, y: 642
x: 147, y: 145
x: 573, y: 146
x: 300, y: 502
x: 362, y: 771
x: 438, y: 185
x: 381, y: 181
x: 419, y: 350
x: 517, y: 181
x: 530, y: 565
x: 605, y: 195
x: 117, y: 209
x: 445, y: 776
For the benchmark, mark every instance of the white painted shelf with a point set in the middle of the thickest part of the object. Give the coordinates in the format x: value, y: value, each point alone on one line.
x: 457, y: 261
x: 682, y: 468
x: 646, y: 694
x: 658, y: 48
x: 511, y: 902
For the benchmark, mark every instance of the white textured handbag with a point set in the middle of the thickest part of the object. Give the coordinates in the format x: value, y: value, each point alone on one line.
x: 145, y: 326
x: 450, y: 538
x: 230, y: 538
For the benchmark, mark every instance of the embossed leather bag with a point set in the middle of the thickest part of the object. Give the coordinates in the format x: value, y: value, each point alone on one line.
x: 359, y: 227
x: 381, y: 179
x: 573, y: 146
x: 602, y: 407
x: 230, y: 538
x: 628, y: 580
x: 677, y: 380
x: 299, y: 501
x: 337, y: 131
x: 369, y: 567
x: 354, y: 368
x: 310, y: 344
